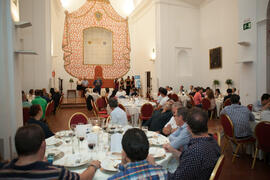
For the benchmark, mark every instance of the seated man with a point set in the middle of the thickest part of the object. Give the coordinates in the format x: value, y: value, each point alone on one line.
x: 30, y: 146
x: 240, y: 116
x: 121, y: 93
x: 39, y: 100
x: 265, y: 103
x: 135, y: 164
x: 229, y: 94
x: 118, y: 116
x: 159, y: 118
x: 171, y: 126
x: 164, y: 97
x: 180, y: 138
x: 198, y: 97
x: 198, y: 160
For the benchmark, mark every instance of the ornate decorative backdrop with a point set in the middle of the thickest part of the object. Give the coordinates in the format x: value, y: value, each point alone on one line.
x: 95, y: 13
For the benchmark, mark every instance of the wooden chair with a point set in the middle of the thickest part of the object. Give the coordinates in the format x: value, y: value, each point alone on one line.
x: 227, y: 102
x: 146, y: 112
x: 250, y: 107
x: 101, y: 103
x: 26, y: 115
x: 216, y: 136
x: 206, y: 104
x: 124, y: 109
x: 47, y: 111
x: 218, y: 168
x: 262, y: 133
x: 229, y: 135
x: 97, y: 113
x: 175, y: 97
x: 77, y: 118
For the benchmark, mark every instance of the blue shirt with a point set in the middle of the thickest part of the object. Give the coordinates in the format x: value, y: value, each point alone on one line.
x: 240, y: 116
x: 140, y: 170
x: 181, y: 137
x: 198, y: 160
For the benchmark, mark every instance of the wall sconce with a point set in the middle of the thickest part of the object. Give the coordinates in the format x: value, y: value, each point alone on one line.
x: 153, y: 55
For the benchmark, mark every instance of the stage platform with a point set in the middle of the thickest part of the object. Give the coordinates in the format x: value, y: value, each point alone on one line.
x: 73, y: 102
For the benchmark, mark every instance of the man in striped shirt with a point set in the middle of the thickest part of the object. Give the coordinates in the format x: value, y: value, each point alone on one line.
x: 30, y: 146
x: 135, y: 164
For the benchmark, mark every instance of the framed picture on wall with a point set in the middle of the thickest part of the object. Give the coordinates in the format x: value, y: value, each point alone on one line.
x: 215, y: 56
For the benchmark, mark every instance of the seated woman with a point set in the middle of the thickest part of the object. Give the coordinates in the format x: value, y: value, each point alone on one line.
x: 218, y: 94
x: 211, y: 97
x: 35, y: 116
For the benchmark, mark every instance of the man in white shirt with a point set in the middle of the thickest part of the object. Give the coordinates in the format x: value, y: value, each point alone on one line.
x: 165, y: 98
x: 120, y: 93
x: 118, y: 116
x: 171, y: 126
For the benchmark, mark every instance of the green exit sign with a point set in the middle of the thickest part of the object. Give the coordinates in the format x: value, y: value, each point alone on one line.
x: 247, y: 26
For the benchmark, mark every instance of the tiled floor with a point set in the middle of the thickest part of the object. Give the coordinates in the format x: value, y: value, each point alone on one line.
x: 239, y: 170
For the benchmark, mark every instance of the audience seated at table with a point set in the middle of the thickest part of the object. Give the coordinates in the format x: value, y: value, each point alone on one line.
x: 240, y: 117
x: 171, y: 126
x: 159, y: 118
x: 198, y: 97
x: 45, y: 95
x: 120, y: 93
x: 35, y: 113
x: 30, y: 164
x: 25, y: 102
x: 118, y: 116
x: 113, y: 94
x: 136, y: 164
x: 211, y: 97
x: 163, y: 97
x: 39, y: 100
x: 264, y: 104
x: 133, y: 92
x: 218, y: 94
x: 94, y: 94
x: 169, y: 90
x: 181, y: 90
x: 180, y: 138
x: 198, y: 160
x: 229, y: 93
x: 31, y: 95
x: 191, y: 89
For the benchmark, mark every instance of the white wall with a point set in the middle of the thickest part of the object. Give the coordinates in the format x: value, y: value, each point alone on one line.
x: 142, y: 38
x: 178, y: 30
x: 219, y: 27
x: 36, y: 70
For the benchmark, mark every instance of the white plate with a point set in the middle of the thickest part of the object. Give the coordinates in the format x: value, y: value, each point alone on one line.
x: 110, y: 165
x: 74, y: 160
x: 56, y: 152
x: 151, y: 134
x: 159, y: 140
x: 52, y: 141
x: 157, y: 152
x: 63, y: 133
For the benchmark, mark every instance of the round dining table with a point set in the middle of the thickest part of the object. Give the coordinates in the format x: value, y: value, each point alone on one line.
x: 76, y: 156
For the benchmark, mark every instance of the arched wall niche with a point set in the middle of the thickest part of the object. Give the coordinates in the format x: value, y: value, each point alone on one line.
x: 183, y: 66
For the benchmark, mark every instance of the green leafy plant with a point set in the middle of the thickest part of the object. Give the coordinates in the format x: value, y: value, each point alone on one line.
x: 216, y: 83
x: 229, y: 82
x: 71, y: 81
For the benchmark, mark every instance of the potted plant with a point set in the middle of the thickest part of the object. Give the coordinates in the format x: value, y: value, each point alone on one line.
x: 216, y: 83
x: 71, y: 81
x: 229, y: 82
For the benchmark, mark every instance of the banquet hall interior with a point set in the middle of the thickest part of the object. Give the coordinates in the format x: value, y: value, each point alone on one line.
x: 76, y: 47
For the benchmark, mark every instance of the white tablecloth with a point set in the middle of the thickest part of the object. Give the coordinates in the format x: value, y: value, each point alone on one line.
x: 100, y: 155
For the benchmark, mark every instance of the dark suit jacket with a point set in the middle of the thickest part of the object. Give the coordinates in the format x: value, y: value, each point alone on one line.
x: 158, y: 120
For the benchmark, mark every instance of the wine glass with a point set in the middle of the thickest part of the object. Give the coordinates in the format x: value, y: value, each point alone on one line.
x: 80, y: 136
x: 91, y: 144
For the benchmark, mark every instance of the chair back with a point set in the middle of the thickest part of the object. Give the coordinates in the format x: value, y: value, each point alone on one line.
x: 77, y: 118
x: 227, y: 102
x: 262, y: 133
x: 147, y: 110
x: 95, y: 109
x: 122, y: 107
x: 47, y: 111
x: 192, y: 102
x: 101, y: 103
x: 170, y: 96
x: 175, y: 97
x: 216, y: 136
x: 26, y: 115
x: 51, y: 106
x: 250, y: 107
x: 206, y: 103
x: 218, y: 167
x: 227, y: 126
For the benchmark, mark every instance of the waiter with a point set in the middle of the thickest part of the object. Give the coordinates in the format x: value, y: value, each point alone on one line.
x: 97, y: 84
